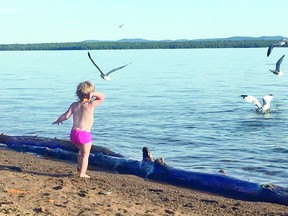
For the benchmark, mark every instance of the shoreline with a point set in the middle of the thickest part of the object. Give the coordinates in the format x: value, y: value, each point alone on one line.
x: 36, y: 185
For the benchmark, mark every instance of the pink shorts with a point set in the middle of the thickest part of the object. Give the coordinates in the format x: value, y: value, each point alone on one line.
x: 80, y: 137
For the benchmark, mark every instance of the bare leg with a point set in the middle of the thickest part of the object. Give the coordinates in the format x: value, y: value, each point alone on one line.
x: 78, y: 161
x: 84, y: 159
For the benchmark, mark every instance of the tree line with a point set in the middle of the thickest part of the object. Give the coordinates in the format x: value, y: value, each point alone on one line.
x: 110, y: 45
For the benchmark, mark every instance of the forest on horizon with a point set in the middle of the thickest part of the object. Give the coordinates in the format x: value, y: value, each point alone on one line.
x: 118, y: 45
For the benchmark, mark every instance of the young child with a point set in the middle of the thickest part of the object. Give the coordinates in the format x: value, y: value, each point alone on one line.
x: 82, y: 112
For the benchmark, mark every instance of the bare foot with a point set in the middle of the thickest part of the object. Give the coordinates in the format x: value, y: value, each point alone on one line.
x: 84, y: 176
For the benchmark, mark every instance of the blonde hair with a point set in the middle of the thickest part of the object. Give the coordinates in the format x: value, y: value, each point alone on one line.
x: 84, y: 89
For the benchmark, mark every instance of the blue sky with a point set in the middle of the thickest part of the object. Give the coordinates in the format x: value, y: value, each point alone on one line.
x: 44, y: 21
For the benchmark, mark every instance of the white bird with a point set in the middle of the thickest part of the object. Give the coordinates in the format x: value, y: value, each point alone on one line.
x: 103, y: 75
x: 276, y: 44
x: 277, y: 70
x: 265, y: 105
x: 120, y: 26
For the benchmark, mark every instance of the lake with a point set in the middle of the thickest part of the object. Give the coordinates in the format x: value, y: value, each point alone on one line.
x: 183, y: 104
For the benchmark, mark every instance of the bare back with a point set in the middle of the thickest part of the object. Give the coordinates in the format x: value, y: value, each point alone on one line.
x: 83, y: 112
x: 82, y: 115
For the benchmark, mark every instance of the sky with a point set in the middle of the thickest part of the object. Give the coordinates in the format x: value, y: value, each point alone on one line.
x: 50, y: 21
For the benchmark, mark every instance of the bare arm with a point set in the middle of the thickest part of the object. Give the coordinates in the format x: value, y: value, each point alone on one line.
x: 96, y: 98
x: 64, y: 116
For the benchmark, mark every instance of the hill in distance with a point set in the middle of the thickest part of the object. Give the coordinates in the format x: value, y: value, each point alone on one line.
x: 234, y: 38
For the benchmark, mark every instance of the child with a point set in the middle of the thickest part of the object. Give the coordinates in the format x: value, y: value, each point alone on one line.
x: 82, y: 112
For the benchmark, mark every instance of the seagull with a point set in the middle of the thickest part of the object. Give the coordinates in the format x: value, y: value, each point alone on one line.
x: 103, y: 75
x: 266, y: 102
x: 276, y: 44
x: 277, y: 70
x: 120, y: 26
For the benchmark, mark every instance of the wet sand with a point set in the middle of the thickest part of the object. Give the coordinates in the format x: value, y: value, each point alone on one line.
x: 31, y: 185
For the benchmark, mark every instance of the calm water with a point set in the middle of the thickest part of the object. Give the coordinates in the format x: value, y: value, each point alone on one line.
x: 183, y: 104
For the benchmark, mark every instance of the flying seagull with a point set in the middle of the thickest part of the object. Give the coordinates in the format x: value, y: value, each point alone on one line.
x: 276, y: 44
x: 277, y: 70
x: 265, y: 105
x: 103, y: 75
x: 120, y: 26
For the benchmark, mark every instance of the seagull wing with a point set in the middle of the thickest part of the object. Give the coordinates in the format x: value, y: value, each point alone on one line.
x: 251, y: 99
x: 266, y: 101
x: 279, y: 63
x: 118, y: 68
x: 281, y: 42
x: 95, y: 64
x: 270, y: 49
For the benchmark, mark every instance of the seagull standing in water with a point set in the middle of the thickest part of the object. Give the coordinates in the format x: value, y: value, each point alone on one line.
x: 265, y: 105
x: 276, y: 44
x: 103, y: 75
x: 277, y: 70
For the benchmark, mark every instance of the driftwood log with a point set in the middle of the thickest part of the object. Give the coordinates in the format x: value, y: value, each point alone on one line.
x: 151, y: 169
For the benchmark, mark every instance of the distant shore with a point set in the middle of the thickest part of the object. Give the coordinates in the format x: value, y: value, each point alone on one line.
x: 34, y: 185
x: 233, y: 42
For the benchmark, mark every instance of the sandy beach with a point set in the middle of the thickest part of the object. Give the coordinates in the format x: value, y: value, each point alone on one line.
x: 32, y: 185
